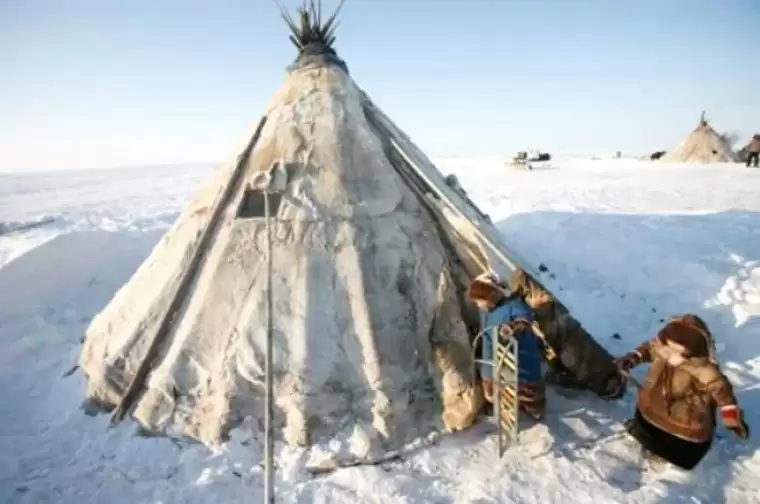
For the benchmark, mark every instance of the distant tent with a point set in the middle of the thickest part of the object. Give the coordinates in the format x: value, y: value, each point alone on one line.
x: 373, y: 251
x: 704, y: 145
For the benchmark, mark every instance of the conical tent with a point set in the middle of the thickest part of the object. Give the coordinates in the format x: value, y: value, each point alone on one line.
x: 704, y: 145
x: 373, y: 249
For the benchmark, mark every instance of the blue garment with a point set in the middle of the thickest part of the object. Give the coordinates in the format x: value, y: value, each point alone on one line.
x: 528, y: 347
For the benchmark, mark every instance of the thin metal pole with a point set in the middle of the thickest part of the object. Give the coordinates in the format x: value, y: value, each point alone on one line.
x: 268, y: 419
x: 496, y: 386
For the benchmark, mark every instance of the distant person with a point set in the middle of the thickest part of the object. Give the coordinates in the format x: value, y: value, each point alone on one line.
x: 753, y: 150
x: 676, y: 407
x: 507, y: 315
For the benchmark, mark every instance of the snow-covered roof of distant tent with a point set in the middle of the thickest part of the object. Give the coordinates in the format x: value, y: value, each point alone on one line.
x: 703, y: 145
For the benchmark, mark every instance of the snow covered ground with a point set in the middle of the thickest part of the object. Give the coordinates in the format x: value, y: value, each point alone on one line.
x: 632, y: 243
x: 47, y: 205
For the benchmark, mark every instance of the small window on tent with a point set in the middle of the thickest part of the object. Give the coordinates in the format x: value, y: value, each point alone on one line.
x: 252, y: 204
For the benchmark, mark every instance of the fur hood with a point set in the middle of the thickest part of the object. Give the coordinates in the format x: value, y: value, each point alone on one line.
x: 686, y: 337
x: 487, y: 287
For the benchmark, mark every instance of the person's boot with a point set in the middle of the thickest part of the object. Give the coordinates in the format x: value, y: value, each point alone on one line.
x: 487, y: 386
x: 535, y: 414
x: 628, y: 424
x: 487, y: 409
x: 653, y: 461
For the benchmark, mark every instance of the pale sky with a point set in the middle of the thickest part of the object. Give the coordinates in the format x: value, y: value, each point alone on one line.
x: 95, y: 84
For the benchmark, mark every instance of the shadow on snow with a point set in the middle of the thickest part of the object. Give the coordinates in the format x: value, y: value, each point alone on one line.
x: 626, y: 274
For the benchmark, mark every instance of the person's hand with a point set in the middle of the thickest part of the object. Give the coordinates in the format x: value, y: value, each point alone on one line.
x: 514, y: 328
x: 733, y: 420
x: 741, y: 430
x: 628, y: 361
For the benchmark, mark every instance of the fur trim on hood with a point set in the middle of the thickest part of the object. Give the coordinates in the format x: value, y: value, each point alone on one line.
x: 690, y: 332
x: 484, y: 288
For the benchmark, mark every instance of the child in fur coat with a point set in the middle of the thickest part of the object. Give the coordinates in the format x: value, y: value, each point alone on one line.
x: 509, y: 316
x: 676, y: 407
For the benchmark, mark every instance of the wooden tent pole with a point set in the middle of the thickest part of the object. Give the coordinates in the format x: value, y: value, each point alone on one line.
x: 183, y: 289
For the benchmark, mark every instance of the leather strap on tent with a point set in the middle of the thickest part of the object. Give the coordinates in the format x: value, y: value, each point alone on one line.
x: 185, y: 283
